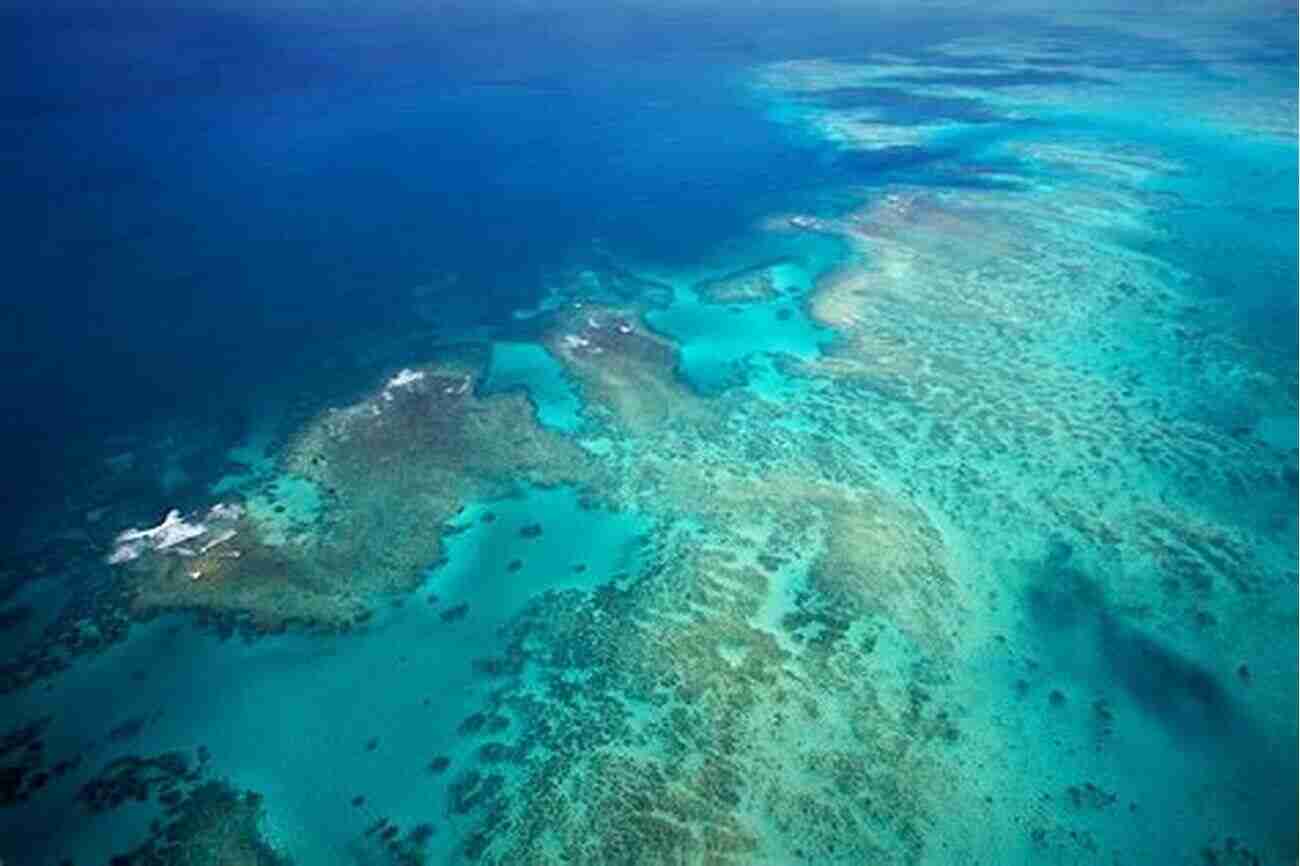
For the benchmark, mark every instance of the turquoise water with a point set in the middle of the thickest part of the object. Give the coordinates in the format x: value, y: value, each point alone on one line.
x: 719, y: 339
x: 528, y: 366
x: 823, y: 438
x: 231, y: 697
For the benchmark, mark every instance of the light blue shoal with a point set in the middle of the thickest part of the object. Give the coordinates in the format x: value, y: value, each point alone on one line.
x: 716, y: 339
x: 719, y: 342
x: 531, y: 367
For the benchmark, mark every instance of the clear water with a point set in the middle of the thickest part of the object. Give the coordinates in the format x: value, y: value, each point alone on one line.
x: 988, y: 557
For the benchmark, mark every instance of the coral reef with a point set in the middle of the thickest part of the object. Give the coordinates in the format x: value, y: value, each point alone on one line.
x: 25, y: 768
x: 755, y: 283
x: 201, y: 822
x: 390, y: 471
x: 681, y: 700
x: 213, y: 824
x: 1015, y: 501
x: 384, y: 842
x: 624, y: 368
x: 779, y: 683
x: 137, y: 779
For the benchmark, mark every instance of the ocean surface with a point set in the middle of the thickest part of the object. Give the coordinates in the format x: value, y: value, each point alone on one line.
x: 665, y: 433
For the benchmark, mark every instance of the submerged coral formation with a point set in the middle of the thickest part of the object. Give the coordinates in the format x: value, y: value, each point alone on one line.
x: 24, y: 764
x: 380, y: 480
x: 755, y: 283
x: 623, y: 367
x: 213, y: 825
x: 787, y: 680
x: 785, y: 676
x: 133, y: 778
x: 697, y: 716
x: 198, y: 821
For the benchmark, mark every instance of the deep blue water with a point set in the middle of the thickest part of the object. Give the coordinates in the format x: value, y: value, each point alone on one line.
x: 200, y: 203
